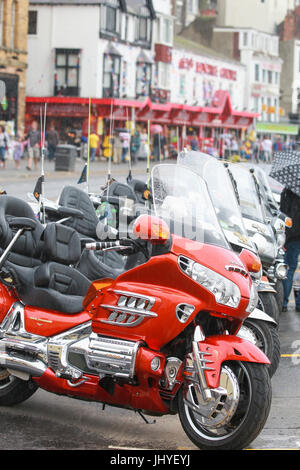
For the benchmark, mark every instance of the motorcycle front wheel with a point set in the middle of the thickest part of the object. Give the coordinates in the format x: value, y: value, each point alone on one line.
x: 267, y: 302
x: 239, y: 414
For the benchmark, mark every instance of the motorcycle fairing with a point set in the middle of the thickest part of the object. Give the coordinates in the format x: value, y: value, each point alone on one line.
x: 228, y: 348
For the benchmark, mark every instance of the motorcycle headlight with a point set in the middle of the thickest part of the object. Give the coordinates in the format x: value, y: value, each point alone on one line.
x: 253, y: 299
x: 225, y: 291
x: 281, y: 270
x: 280, y: 239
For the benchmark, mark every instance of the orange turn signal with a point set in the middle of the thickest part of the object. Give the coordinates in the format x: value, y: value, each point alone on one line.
x: 152, y: 229
x: 251, y: 261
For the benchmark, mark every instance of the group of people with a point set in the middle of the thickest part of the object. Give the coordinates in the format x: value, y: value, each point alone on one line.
x: 124, y: 144
x: 27, y: 146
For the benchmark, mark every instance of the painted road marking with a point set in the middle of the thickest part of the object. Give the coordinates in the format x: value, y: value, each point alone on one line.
x: 290, y: 355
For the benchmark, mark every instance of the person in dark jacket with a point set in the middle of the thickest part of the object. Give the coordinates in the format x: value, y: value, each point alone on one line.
x: 290, y: 206
x: 52, y: 142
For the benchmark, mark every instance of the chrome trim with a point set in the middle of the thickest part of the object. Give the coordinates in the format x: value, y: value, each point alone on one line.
x: 183, y: 318
x: 131, y: 309
x: 172, y: 367
x: 136, y: 294
x: 237, y: 269
x: 112, y: 356
x: 200, y: 362
x: 20, y: 350
x: 58, y: 349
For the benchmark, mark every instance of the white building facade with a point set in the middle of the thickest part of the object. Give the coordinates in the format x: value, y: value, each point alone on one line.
x: 197, y: 77
x: 263, y: 15
x: 259, y: 53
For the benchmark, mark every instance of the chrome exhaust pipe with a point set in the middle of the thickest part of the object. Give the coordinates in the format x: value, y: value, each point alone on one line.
x: 34, y: 368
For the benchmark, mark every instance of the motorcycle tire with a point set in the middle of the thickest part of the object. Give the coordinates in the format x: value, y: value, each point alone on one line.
x: 245, y: 423
x: 14, y: 390
x: 267, y: 302
x: 267, y: 339
x: 279, y: 293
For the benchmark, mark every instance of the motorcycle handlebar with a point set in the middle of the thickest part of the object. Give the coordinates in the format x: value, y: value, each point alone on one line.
x: 117, y: 244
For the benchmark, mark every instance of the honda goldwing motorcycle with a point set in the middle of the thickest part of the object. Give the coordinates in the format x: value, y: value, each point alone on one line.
x: 259, y: 327
x: 260, y: 232
x: 158, y: 339
x: 278, y: 221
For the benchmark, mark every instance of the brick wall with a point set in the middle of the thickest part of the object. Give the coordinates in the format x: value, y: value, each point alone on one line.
x: 290, y: 27
x: 13, y: 50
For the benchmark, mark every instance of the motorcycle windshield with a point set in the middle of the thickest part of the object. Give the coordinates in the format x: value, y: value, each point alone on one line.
x: 266, y: 191
x: 221, y: 191
x: 251, y: 207
x: 181, y: 198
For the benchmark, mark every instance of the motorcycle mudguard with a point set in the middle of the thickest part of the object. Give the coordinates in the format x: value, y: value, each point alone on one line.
x: 218, y: 349
x: 265, y: 286
x: 258, y: 314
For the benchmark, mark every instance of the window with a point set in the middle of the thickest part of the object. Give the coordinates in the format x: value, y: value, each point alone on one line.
x: 111, y: 76
x: 182, y: 85
x: 143, y: 79
x: 110, y: 18
x: 32, y: 22
x: 257, y: 74
x: 270, y: 77
x: 245, y: 39
x: 164, y: 75
x: 167, y: 31
x: 142, y: 29
x: 67, y: 64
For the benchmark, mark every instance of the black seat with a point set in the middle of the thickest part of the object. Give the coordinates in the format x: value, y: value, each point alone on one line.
x: 92, y: 265
x: 75, y: 198
x: 54, y: 284
x: 26, y: 251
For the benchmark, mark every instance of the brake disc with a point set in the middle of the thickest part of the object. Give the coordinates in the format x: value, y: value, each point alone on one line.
x: 219, y: 410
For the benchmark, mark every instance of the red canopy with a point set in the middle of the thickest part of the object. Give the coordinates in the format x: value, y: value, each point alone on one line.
x: 219, y: 114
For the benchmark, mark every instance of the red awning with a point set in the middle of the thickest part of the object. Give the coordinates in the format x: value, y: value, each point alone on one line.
x: 219, y: 114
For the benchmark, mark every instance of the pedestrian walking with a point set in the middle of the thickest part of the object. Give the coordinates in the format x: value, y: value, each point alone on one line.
x: 125, y: 138
x: 135, y: 143
x: 156, y: 146
x: 94, y: 143
x: 3, y: 146
x: 33, y: 147
x: 18, y: 150
x: 52, y: 142
x: 143, y: 149
x: 267, y: 148
x: 290, y: 205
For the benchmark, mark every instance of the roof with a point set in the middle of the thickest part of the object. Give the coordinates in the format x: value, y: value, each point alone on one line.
x: 133, y: 6
x: 181, y: 42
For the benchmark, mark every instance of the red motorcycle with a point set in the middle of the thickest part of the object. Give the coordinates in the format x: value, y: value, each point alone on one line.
x: 159, y: 339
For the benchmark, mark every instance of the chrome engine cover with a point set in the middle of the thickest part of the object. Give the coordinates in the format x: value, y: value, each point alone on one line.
x: 69, y: 354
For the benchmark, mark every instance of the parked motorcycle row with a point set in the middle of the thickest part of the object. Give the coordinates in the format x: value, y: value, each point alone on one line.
x: 160, y: 297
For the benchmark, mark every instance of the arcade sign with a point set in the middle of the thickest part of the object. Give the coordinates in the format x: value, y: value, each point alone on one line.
x: 207, y: 69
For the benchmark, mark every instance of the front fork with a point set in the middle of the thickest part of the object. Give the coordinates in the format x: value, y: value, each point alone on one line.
x: 200, y: 361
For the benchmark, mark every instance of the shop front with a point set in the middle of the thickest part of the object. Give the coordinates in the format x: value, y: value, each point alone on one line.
x: 179, y: 124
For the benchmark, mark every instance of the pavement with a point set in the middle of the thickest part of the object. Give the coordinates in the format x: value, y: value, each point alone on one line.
x: 97, y: 168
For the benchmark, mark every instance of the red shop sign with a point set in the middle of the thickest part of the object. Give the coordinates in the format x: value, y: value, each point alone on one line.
x: 227, y: 73
x: 207, y: 68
